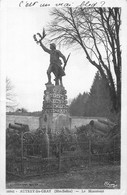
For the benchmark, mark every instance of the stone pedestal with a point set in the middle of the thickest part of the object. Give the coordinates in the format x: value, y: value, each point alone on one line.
x: 55, y: 114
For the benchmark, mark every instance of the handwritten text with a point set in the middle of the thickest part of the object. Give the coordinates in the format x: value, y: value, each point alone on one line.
x: 29, y: 4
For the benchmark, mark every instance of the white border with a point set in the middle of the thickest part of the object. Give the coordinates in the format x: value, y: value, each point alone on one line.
x: 108, y: 3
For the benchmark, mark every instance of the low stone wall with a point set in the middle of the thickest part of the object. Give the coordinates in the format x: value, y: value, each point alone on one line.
x: 33, y: 122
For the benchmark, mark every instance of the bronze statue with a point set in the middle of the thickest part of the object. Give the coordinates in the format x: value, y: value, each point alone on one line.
x: 55, y: 62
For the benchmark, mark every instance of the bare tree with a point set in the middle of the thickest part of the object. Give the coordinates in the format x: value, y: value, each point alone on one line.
x: 96, y: 31
x: 10, y: 96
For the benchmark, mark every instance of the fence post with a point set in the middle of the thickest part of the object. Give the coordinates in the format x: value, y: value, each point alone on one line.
x: 114, y: 151
x: 22, y: 169
x: 89, y: 163
x: 59, y: 156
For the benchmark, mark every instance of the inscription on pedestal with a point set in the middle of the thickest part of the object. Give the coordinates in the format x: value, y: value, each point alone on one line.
x: 55, y: 100
x: 55, y: 115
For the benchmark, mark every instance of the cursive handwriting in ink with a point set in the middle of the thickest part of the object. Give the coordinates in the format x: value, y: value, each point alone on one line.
x: 88, y: 4
x: 44, y: 5
x: 63, y: 5
x: 28, y: 4
x: 102, y: 3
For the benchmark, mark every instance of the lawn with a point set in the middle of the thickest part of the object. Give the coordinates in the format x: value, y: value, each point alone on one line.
x: 105, y: 177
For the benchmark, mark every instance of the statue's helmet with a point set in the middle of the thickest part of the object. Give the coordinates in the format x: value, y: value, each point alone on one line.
x: 53, y: 45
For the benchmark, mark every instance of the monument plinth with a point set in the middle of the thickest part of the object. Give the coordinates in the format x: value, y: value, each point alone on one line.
x: 55, y: 115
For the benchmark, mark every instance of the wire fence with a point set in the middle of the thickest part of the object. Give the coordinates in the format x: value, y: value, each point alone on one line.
x: 38, y: 159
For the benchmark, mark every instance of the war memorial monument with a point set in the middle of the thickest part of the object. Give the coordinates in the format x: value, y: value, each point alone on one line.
x: 55, y: 115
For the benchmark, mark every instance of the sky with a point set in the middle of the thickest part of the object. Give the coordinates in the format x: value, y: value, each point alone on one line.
x: 27, y: 63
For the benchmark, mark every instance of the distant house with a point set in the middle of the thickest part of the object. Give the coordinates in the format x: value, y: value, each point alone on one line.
x: 19, y: 111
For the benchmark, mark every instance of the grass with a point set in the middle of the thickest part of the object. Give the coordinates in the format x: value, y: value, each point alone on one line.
x: 96, y: 177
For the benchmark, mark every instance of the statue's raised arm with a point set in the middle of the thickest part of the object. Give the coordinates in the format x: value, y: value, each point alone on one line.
x: 38, y: 39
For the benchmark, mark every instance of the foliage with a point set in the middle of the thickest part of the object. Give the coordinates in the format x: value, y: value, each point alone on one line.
x: 13, y: 143
x: 99, y: 102
x: 77, y: 106
x: 10, y: 96
x: 100, y: 143
x: 96, y: 31
x: 66, y: 140
x: 95, y: 104
x: 36, y: 113
x: 35, y: 143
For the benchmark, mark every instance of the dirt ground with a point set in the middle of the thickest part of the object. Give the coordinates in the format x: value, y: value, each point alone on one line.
x: 106, y: 177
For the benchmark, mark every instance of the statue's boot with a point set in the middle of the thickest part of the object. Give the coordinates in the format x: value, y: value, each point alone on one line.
x: 56, y: 81
x: 61, y: 83
x: 49, y: 80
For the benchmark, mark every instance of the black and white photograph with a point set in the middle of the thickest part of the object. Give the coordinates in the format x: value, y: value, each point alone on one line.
x: 63, y: 97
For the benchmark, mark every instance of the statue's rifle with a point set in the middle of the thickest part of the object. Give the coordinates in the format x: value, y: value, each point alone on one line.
x: 66, y: 61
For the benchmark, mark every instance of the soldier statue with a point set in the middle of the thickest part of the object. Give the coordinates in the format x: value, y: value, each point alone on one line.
x: 55, y: 61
